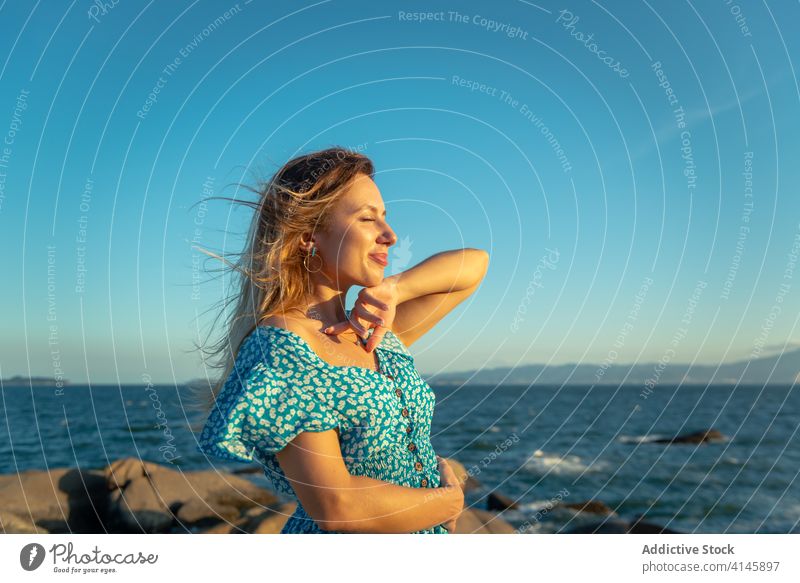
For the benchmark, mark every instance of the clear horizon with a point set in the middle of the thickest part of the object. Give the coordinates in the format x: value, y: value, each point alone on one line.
x: 776, y: 352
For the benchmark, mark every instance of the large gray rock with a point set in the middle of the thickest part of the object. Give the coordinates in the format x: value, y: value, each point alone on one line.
x: 147, y: 497
x: 610, y: 526
x: 467, y: 481
x: 499, y: 502
x: 706, y: 436
x: 132, y: 495
x: 137, y: 508
x: 11, y: 523
x: 198, y: 514
x: 63, y: 500
x: 256, y: 521
x: 591, y: 506
x: 619, y: 526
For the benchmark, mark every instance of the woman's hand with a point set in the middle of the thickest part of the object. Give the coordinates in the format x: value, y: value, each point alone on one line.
x: 382, y: 298
x: 449, y: 479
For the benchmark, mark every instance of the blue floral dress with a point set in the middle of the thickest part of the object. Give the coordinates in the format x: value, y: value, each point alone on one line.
x: 280, y: 387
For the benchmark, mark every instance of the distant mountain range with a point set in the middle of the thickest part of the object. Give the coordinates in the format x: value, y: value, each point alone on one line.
x: 32, y: 381
x: 778, y: 369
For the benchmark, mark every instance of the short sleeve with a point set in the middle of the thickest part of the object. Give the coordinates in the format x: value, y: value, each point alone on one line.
x: 263, y: 412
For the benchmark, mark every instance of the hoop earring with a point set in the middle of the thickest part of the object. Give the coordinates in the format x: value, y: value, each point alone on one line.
x: 313, y: 254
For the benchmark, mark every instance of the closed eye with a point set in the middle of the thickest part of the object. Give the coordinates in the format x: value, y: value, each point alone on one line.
x: 367, y: 219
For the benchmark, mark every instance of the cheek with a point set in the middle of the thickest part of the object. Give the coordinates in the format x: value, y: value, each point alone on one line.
x: 352, y: 249
x: 359, y: 240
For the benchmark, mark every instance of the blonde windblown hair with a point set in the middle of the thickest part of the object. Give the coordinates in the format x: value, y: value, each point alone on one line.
x: 269, y: 276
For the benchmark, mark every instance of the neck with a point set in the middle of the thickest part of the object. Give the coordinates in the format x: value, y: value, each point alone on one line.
x: 325, y: 305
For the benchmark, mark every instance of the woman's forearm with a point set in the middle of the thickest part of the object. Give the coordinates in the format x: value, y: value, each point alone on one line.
x: 374, y: 506
x: 444, y: 272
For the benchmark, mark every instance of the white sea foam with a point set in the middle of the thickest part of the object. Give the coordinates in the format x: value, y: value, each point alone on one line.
x: 642, y: 438
x: 541, y: 462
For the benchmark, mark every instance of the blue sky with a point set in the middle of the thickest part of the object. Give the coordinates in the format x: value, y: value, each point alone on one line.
x: 521, y: 128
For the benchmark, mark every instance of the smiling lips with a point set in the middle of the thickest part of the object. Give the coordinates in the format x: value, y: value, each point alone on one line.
x: 379, y: 258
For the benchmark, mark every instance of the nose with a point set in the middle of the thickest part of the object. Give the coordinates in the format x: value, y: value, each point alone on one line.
x: 389, y: 235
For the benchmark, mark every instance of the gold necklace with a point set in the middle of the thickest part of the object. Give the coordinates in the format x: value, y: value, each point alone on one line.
x: 357, y: 340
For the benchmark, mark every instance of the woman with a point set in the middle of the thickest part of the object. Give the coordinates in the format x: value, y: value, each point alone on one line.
x: 328, y: 400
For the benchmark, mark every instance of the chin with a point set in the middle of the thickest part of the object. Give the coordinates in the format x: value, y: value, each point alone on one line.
x: 374, y: 278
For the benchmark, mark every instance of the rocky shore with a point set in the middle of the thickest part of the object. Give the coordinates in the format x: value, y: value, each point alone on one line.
x: 135, y: 496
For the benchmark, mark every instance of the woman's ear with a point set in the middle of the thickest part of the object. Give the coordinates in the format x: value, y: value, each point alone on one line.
x: 306, y: 242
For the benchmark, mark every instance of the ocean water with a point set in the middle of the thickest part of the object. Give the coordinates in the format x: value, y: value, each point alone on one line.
x: 540, y: 446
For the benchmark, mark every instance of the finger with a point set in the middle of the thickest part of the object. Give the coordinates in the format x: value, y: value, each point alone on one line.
x: 337, y: 328
x: 367, y: 315
x: 373, y: 300
x: 341, y: 327
x: 366, y: 298
x: 357, y: 327
x: 376, y: 338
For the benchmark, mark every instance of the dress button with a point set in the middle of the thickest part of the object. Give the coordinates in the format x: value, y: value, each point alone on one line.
x: 418, y: 466
x: 398, y: 392
x: 408, y: 429
x: 411, y: 446
x: 424, y: 482
x: 404, y: 412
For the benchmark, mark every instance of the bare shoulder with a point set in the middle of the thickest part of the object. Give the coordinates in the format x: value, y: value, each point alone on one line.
x: 300, y: 326
x: 276, y: 320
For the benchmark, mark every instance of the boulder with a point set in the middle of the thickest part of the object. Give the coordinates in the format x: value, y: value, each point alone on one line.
x: 62, y: 500
x: 610, y: 526
x: 198, y: 513
x: 133, y: 495
x: 467, y: 481
x: 591, y: 506
x: 639, y: 526
x: 137, y: 508
x: 619, y: 526
x: 11, y: 523
x: 269, y: 520
x: 217, y: 487
x: 474, y: 521
x: 147, y: 497
x: 122, y: 471
x: 499, y: 502
x: 706, y: 436
x: 255, y: 520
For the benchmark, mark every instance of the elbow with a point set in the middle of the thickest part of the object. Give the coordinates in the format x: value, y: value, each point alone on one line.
x: 480, y: 257
x: 485, y: 259
x: 481, y: 263
x: 481, y: 254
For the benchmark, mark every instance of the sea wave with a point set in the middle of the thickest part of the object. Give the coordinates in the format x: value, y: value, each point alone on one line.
x: 542, y: 462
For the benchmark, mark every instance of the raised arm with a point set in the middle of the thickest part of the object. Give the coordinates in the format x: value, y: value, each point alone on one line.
x: 429, y: 291
x: 339, y: 501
